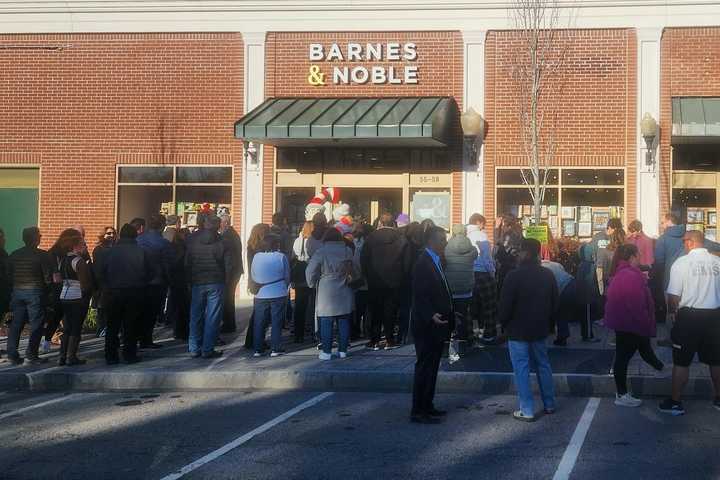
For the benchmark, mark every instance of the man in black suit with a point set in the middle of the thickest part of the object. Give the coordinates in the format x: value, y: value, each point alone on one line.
x: 432, y: 312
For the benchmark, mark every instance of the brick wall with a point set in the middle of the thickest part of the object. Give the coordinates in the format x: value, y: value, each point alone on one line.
x: 105, y: 99
x: 689, y: 66
x: 597, y: 105
x: 440, y: 65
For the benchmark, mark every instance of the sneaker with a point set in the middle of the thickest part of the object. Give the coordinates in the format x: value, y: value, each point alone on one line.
x: 627, y: 400
x: 716, y: 403
x: 257, y: 355
x: 44, y: 346
x: 325, y: 356
x: 277, y: 353
x: 372, y: 346
x: 672, y: 407
x: 591, y: 340
x: 519, y: 415
x: 343, y: 354
x: 195, y: 354
x: 390, y: 345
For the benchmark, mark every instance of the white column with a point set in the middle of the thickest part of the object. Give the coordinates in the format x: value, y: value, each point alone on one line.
x: 254, y: 95
x: 648, y: 98
x: 474, y: 96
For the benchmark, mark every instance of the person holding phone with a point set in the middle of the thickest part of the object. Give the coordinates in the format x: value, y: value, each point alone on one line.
x: 432, y: 312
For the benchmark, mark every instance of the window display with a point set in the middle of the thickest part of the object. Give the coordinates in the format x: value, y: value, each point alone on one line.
x: 578, y: 202
x: 173, y: 190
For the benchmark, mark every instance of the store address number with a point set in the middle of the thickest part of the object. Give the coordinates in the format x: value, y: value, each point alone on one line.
x: 428, y: 179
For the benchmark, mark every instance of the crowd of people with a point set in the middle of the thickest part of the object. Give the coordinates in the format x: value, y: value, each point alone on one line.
x: 392, y: 283
x: 152, y: 271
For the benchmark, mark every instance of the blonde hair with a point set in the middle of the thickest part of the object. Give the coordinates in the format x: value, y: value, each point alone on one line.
x: 307, y: 229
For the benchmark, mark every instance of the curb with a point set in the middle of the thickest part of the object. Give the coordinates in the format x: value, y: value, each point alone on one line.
x: 331, y: 380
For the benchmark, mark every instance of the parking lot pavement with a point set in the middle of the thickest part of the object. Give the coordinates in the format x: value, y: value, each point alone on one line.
x: 311, y: 435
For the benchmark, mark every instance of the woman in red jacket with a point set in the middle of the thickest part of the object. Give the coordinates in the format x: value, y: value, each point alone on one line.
x: 629, y: 311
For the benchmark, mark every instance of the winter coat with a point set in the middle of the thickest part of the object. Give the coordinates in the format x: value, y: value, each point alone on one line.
x: 233, y: 245
x: 272, y: 271
x: 207, y: 261
x: 126, y: 266
x: 385, y: 259
x: 586, y: 277
x: 30, y: 268
x: 161, y: 255
x: 528, y: 301
x: 507, y: 249
x: 629, y: 306
x: 668, y: 248
x: 286, y: 240
x: 645, y: 246
x: 484, y: 261
x: 460, y: 255
x: 329, y: 271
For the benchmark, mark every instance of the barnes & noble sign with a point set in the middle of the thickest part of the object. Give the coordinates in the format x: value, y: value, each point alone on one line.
x: 397, y: 66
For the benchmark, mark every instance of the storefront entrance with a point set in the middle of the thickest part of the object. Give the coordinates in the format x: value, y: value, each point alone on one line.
x: 696, y: 185
x: 370, y: 203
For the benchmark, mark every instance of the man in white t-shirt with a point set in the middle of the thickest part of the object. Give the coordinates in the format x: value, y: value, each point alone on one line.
x: 694, y: 292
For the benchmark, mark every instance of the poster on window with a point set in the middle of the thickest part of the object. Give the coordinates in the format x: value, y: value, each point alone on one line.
x: 431, y: 205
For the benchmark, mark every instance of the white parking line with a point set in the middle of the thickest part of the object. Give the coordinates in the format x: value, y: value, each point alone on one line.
x: 245, y: 438
x: 64, y: 398
x: 567, y: 463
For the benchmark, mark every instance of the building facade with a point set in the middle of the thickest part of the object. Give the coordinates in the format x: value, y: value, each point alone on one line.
x: 119, y: 109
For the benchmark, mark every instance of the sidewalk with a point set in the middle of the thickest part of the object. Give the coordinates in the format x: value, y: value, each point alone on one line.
x: 579, y: 369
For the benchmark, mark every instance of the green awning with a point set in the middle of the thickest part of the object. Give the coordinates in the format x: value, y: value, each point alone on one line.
x: 387, y: 122
x: 695, y: 120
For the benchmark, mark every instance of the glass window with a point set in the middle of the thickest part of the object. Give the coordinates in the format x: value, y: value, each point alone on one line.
x: 186, y: 194
x: 513, y: 176
x: 141, y: 201
x: 291, y: 202
x: 593, y: 197
x: 145, y: 175
x: 177, y: 198
x: 695, y: 197
x: 204, y: 175
x: 581, y: 177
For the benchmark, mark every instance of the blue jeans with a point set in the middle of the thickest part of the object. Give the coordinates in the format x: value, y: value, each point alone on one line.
x: 521, y: 355
x: 275, y: 308
x: 26, y: 306
x: 206, y: 308
x: 326, y: 332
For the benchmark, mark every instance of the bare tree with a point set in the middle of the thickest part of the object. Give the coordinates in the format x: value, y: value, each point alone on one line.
x: 537, y: 73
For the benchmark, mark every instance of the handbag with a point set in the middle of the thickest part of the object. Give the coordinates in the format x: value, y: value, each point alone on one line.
x: 255, y: 287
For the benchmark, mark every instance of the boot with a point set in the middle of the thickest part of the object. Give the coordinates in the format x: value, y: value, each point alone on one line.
x: 63, y: 350
x: 73, y: 345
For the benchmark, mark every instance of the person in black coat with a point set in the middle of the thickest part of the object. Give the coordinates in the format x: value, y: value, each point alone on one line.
x: 528, y: 301
x: 432, y: 314
x: 233, y: 244
x: 385, y: 265
x: 127, y: 270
